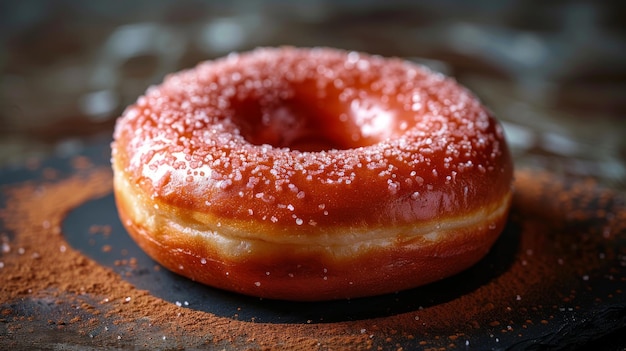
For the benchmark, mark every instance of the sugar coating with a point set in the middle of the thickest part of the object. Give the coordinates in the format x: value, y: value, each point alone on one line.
x: 230, y: 129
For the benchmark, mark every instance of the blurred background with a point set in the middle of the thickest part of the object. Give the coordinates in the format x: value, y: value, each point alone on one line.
x: 553, y: 72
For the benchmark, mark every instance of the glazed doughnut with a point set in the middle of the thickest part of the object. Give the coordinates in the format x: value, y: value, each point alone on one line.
x: 311, y: 174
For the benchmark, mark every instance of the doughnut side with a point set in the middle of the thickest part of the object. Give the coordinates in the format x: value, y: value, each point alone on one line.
x: 347, y: 262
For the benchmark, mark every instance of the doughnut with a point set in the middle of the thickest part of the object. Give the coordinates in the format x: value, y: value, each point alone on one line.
x: 311, y: 174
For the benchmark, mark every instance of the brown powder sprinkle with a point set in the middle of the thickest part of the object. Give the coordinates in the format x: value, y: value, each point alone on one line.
x: 567, y: 257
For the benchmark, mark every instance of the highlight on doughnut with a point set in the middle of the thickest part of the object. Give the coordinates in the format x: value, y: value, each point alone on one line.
x: 311, y: 174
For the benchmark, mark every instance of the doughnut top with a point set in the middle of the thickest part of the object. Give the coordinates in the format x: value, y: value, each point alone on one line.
x: 313, y: 138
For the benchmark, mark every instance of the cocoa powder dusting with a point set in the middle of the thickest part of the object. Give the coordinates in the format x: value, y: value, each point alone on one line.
x: 565, y: 236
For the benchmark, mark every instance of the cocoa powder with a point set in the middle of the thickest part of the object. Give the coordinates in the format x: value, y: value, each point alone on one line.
x: 568, y: 238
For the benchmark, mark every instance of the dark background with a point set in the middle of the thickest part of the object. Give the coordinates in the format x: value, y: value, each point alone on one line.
x: 553, y: 72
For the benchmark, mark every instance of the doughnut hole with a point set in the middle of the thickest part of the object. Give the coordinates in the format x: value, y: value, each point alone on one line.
x: 305, y: 122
